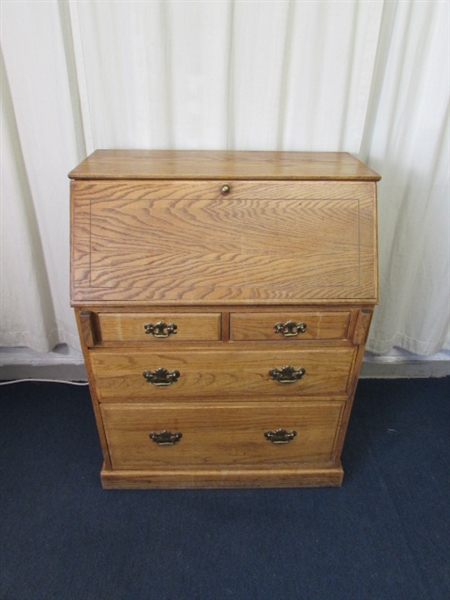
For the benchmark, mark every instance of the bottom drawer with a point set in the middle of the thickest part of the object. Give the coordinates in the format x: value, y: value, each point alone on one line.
x: 221, y: 434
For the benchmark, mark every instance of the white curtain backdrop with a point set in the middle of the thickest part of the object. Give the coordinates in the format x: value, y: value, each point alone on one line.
x: 366, y: 77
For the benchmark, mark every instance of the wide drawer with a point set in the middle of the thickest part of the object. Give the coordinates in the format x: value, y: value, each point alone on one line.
x: 205, y: 373
x: 220, y: 435
x: 159, y: 327
x: 292, y: 325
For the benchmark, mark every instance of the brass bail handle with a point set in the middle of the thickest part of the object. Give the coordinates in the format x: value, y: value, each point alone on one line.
x: 161, y: 376
x: 165, y: 437
x: 290, y: 328
x: 160, y: 329
x: 280, y: 436
x: 287, y: 374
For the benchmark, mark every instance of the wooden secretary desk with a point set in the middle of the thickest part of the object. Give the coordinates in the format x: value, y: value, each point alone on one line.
x: 223, y: 301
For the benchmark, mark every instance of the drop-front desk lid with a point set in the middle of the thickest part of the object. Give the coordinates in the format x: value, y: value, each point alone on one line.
x: 205, y: 228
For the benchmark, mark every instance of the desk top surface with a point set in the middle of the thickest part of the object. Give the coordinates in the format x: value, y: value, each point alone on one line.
x: 223, y: 165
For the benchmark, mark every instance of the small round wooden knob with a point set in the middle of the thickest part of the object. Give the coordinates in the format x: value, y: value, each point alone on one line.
x: 225, y: 189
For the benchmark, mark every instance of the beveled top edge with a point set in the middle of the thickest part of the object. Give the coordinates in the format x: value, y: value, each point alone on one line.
x: 222, y: 165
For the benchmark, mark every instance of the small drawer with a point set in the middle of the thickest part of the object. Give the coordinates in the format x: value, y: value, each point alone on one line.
x: 290, y: 325
x: 143, y: 437
x: 170, y: 375
x: 159, y: 327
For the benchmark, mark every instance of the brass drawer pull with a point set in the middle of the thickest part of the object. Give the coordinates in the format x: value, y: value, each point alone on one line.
x: 287, y: 374
x: 280, y: 436
x: 160, y: 329
x: 290, y: 328
x: 161, y: 376
x: 165, y: 438
x: 225, y: 189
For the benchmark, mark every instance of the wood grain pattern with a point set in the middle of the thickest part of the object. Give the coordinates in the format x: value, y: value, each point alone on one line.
x: 306, y: 475
x: 204, y: 164
x: 225, y: 371
x: 324, y: 325
x: 87, y: 328
x: 130, y: 326
x: 362, y: 326
x: 220, y: 434
x: 80, y: 242
x: 243, y: 249
x: 153, y: 238
x: 128, y: 191
x: 93, y: 391
x: 173, y: 164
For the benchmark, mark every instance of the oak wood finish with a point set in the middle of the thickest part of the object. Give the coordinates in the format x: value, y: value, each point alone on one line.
x: 176, y: 164
x: 156, y: 238
x: 87, y: 328
x: 324, y: 325
x: 118, y: 327
x: 230, y: 372
x: 211, y: 433
x: 258, y: 243
x: 306, y: 475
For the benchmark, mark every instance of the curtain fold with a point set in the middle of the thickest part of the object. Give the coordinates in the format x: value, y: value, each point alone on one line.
x: 406, y: 140
x: 370, y: 78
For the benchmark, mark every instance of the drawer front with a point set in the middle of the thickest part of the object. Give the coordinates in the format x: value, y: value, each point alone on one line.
x: 221, y: 435
x: 159, y: 327
x: 185, y: 242
x: 290, y: 325
x: 207, y: 374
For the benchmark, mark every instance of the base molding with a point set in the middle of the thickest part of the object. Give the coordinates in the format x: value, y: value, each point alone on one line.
x: 223, y: 478
x: 400, y: 364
